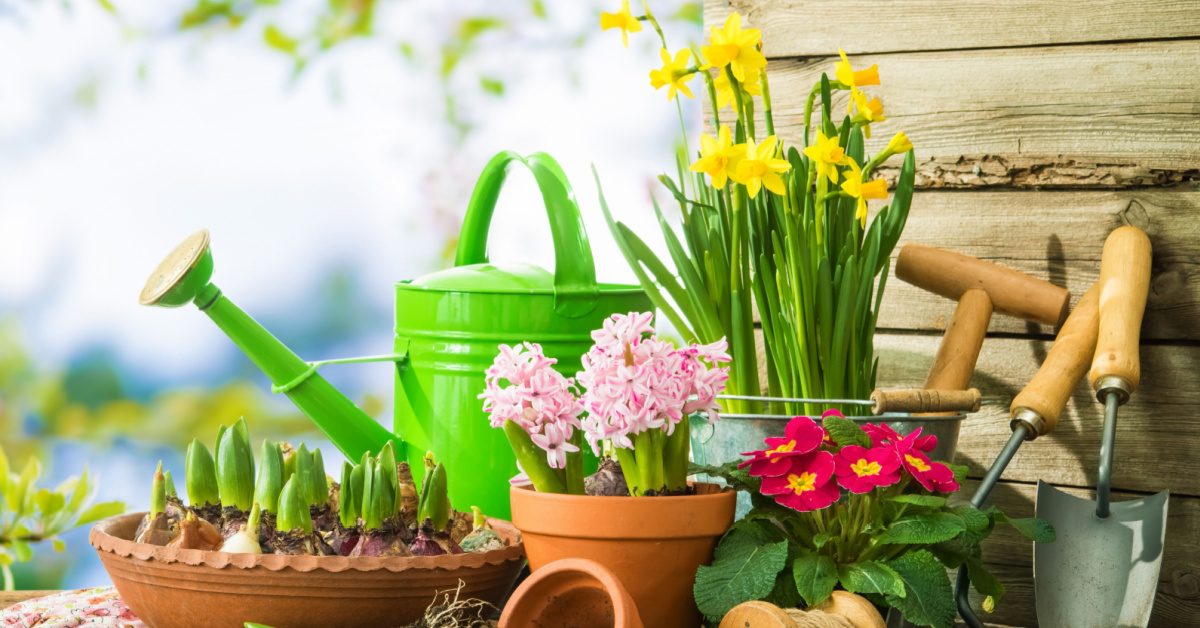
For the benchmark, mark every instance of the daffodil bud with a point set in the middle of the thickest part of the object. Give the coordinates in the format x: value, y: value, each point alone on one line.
x: 899, y: 144
x: 269, y: 481
x: 200, y: 475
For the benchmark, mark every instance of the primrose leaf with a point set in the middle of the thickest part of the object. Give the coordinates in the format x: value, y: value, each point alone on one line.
x: 820, y: 539
x: 844, y: 432
x: 925, y: 501
x: 928, y: 599
x: 871, y: 577
x: 1034, y: 529
x: 983, y: 580
x: 738, y: 479
x: 960, y: 471
x: 973, y: 518
x: 743, y: 570
x: 923, y: 529
x: 815, y: 575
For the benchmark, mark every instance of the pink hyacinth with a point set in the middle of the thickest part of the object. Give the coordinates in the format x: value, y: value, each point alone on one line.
x: 523, y: 387
x: 634, y: 381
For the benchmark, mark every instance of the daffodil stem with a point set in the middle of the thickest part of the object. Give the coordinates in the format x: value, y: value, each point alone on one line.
x: 649, y: 17
x: 735, y: 87
x: 766, y: 103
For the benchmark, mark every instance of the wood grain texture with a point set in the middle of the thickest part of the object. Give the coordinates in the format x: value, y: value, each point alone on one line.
x: 1057, y: 236
x: 1073, y: 116
x: 1010, y: 557
x: 789, y: 31
x: 8, y: 598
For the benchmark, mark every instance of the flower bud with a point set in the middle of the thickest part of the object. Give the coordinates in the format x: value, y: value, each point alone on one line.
x: 200, y: 475
x: 269, y: 481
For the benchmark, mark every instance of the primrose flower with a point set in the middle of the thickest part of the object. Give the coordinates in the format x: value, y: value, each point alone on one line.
x: 760, y: 168
x: 633, y: 381
x: 867, y: 112
x: 933, y: 476
x: 673, y: 74
x: 718, y: 156
x: 533, y: 396
x: 802, y: 436
x: 860, y: 470
x: 854, y: 79
x: 883, y: 435
x: 807, y: 485
x: 862, y: 190
x: 623, y: 20
x: 725, y: 90
x: 733, y: 46
x: 827, y: 155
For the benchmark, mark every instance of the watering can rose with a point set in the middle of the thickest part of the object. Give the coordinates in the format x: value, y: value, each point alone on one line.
x: 637, y: 390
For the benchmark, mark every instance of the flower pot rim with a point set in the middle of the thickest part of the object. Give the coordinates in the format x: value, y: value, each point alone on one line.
x: 627, y: 499
x: 103, y: 538
x: 624, y: 518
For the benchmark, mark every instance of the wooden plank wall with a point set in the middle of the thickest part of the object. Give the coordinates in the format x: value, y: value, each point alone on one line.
x: 1040, y: 125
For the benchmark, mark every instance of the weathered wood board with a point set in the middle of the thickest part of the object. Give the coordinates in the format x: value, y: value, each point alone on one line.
x: 864, y: 26
x: 1118, y: 115
x: 1061, y: 235
x: 1010, y: 556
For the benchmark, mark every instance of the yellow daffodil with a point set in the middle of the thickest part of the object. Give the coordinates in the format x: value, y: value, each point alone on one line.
x: 899, y: 144
x: 759, y: 168
x: 854, y: 79
x: 827, y: 155
x: 718, y: 156
x: 674, y: 74
x: 623, y: 20
x: 867, y: 112
x: 733, y: 46
x: 725, y: 90
x: 863, y: 190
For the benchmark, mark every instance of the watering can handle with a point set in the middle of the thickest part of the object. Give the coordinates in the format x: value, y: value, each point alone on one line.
x: 575, y: 287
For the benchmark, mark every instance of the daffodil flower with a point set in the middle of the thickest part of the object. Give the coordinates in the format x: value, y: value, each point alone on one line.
x: 867, y: 112
x: 674, y: 74
x: 827, y: 155
x: 623, y: 20
x: 733, y: 46
x: 899, y: 144
x: 854, y: 79
x: 759, y: 167
x: 718, y: 157
x: 725, y: 90
x: 863, y: 190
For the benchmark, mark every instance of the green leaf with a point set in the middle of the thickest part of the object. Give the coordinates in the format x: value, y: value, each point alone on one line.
x: 491, y: 85
x: 21, y: 550
x: 845, y: 432
x: 973, y: 518
x: 102, y: 510
x: 1034, y: 529
x: 815, y: 575
x: 871, y: 577
x: 743, y: 570
x: 928, y: 599
x: 820, y: 539
x: 960, y: 471
x: 107, y: 5
x: 739, y: 479
x: 925, y: 501
x: 922, y: 529
x: 280, y: 40
x: 538, y: 7
x: 58, y: 545
x: 983, y: 580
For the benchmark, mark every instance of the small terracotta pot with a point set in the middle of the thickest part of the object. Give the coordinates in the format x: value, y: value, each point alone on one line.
x: 571, y: 593
x: 167, y: 587
x: 652, y: 544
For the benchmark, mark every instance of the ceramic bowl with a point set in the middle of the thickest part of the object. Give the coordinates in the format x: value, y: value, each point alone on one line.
x: 168, y: 587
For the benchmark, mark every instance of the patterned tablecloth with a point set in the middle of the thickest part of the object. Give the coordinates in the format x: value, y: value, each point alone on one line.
x: 100, y: 606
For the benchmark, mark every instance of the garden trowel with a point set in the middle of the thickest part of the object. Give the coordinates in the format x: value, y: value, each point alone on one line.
x: 1102, y: 569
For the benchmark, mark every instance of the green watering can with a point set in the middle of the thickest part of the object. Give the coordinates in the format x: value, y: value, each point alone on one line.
x: 448, y: 327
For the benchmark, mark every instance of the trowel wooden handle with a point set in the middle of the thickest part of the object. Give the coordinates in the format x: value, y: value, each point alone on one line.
x: 922, y: 400
x: 1047, y: 393
x: 1124, y: 284
x: 956, y: 356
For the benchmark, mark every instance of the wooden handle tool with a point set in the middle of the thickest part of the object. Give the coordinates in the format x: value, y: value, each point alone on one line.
x: 1041, y: 402
x: 917, y: 400
x: 1124, y: 286
x: 959, y: 351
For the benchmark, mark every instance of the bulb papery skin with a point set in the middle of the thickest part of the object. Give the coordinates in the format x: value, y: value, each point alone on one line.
x: 241, y: 543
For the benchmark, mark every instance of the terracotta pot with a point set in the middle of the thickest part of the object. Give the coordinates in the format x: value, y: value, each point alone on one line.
x: 571, y: 593
x: 652, y: 544
x: 168, y: 587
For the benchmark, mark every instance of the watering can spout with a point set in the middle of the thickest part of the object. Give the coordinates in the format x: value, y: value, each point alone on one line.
x: 184, y: 277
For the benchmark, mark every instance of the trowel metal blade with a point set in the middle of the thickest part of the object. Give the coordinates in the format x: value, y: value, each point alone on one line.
x: 1098, y: 572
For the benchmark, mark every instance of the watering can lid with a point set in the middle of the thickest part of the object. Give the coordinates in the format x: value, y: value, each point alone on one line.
x: 488, y: 277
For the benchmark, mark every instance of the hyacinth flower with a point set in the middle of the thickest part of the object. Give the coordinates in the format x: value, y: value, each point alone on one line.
x: 537, y: 408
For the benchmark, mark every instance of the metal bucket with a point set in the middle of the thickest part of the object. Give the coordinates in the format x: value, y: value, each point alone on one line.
x: 724, y: 441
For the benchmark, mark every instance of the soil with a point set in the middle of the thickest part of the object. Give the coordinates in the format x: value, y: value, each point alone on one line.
x: 578, y: 608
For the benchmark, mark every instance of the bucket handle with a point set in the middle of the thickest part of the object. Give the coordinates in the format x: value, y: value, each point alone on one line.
x: 575, y: 288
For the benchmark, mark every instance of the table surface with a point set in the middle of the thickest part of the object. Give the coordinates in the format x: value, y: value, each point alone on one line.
x: 8, y: 598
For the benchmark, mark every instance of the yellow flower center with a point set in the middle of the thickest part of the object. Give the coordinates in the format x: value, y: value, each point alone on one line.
x: 787, y: 447
x: 917, y: 463
x: 864, y: 467
x: 802, y: 483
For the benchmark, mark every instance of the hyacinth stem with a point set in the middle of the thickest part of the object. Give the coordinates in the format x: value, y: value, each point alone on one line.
x: 629, y: 468
x: 675, y: 457
x: 574, y: 470
x: 533, y: 460
x: 648, y: 450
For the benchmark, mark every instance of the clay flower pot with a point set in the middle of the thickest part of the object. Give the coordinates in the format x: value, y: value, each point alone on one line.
x: 653, y: 545
x: 571, y: 593
x: 168, y: 587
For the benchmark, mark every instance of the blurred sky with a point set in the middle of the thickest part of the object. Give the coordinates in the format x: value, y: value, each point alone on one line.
x: 119, y: 136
